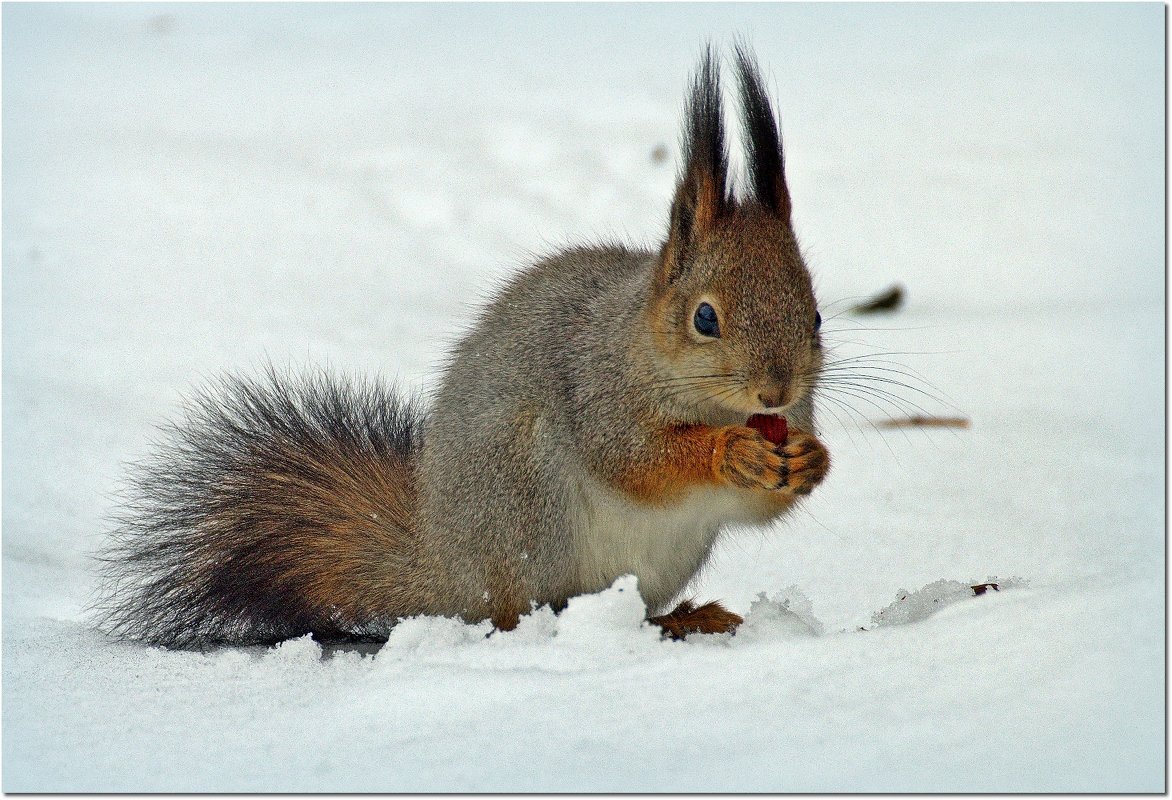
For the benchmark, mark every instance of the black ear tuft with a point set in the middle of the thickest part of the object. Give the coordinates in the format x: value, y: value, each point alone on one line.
x: 762, y: 143
x: 704, y: 146
x: 702, y: 196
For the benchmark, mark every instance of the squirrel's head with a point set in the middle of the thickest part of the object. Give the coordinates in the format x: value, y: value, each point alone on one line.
x: 733, y: 314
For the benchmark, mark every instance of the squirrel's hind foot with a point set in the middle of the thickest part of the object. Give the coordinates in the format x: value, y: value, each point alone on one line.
x: 688, y: 618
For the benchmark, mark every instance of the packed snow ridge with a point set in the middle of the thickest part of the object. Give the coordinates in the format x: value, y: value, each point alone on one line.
x: 615, y: 619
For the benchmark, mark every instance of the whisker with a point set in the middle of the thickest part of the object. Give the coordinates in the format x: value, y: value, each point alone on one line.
x: 834, y: 414
x: 876, y: 401
x: 900, y: 404
x: 881, y: 396
x: 683, y: 379
x: 720, y: 395
x: 840, y: 301
x: 855, y: 325
x: 861, y: 366
x: 877, y: 356
x: 870, y: 398
x: 854, y: 379
x: 680, y: 391
x: 862, y: 376
x: 685, y: 384
x: 852, y: 411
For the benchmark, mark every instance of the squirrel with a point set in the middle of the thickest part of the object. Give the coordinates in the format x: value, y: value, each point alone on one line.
x: 591, y: 424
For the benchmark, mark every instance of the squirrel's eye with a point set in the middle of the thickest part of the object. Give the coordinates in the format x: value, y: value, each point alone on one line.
x: 817, y: 320
x: 705, y: 320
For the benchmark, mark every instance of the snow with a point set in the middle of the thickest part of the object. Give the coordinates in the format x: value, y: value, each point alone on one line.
x: 195, y: 189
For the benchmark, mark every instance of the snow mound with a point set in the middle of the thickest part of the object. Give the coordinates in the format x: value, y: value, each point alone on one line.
x: 787, y: 615
x: 923, y: 603
x: 610, y: 621
x: 613, y: 617
x: 593, y: 630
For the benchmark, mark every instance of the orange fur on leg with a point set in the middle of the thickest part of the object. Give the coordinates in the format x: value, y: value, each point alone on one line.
x: 680, y: 458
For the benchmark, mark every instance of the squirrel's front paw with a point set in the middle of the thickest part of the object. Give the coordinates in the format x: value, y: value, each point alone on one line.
x: 806, y: 460
x: 746, y: 459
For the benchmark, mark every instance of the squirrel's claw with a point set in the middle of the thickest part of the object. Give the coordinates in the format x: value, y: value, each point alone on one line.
x: 807, y: 462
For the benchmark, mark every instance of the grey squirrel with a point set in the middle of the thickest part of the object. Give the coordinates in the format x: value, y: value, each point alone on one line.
x: 591, y: 424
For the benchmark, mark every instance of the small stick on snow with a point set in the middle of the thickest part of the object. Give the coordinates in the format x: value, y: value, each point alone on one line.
x: 925, y: 422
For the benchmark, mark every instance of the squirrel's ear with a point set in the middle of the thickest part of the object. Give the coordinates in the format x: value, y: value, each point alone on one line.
x: 702, y: 195
x: 762, y: 142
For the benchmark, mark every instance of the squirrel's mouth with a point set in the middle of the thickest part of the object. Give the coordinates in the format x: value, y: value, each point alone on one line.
x: 771, y: 402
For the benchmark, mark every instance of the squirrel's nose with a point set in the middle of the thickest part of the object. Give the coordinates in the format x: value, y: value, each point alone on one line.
x: 771, y: 398
x: 776, y: 391
x: 774, y: 387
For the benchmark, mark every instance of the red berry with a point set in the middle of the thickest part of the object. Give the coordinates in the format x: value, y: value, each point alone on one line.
x: 774, y: 429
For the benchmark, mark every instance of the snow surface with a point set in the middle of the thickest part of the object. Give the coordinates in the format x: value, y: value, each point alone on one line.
x: 189, y: 190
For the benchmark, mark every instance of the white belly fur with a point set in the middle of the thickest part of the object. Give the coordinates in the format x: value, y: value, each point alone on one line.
x: 662, y: 546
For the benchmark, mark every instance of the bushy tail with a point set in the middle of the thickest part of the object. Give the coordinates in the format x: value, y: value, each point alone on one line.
x: 278, y: 507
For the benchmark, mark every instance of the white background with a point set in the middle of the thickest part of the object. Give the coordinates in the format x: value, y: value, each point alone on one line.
x: 192, y: 190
